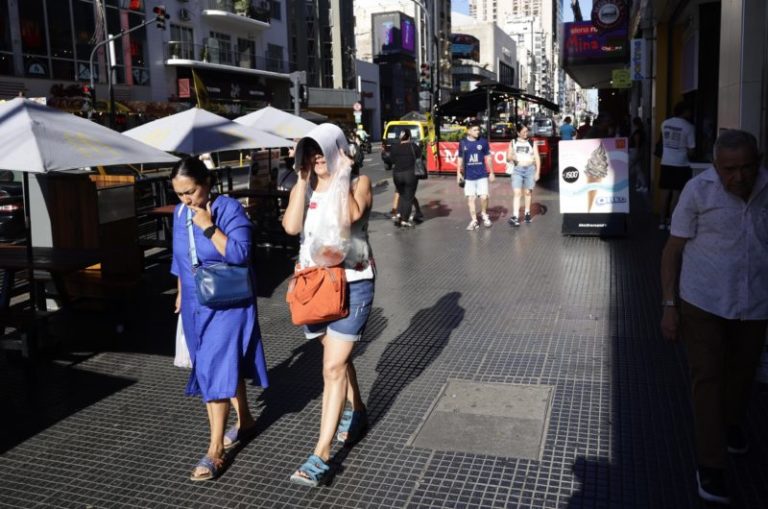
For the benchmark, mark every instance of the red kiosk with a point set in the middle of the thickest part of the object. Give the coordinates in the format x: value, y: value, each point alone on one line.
x: 442, y: 155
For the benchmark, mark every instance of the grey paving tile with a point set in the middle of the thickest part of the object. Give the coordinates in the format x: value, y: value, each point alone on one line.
x: 503, y: 305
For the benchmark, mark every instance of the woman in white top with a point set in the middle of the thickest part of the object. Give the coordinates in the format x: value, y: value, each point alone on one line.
x: 322, y: 152
x: 524, y: 154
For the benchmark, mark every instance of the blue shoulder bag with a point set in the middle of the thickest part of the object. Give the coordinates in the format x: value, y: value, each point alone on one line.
x: 220, y: 285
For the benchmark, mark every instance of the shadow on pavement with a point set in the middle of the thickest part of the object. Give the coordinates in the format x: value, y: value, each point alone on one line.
x: 407, y: 357
x: 36, y: 396
x: 298, y: 379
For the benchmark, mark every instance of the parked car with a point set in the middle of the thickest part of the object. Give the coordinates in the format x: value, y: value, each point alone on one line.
x: 544, y: 126
x: 502, y: 131
x: 419, y: 131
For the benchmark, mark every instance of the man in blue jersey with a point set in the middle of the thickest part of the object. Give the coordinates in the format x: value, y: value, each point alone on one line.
x: 474, y: 169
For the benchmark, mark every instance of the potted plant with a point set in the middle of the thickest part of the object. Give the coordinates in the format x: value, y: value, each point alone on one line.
x: 174, y: 48
x: 243, y: 7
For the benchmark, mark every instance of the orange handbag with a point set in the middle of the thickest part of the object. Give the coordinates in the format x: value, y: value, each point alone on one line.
x: 317, y: 294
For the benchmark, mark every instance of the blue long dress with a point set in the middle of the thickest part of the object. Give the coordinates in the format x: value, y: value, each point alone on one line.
x: 224, y: 344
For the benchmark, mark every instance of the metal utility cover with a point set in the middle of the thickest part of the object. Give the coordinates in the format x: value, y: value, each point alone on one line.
x: 487, y: 418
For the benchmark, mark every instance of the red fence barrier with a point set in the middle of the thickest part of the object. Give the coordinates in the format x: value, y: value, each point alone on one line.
x: 448, y: 152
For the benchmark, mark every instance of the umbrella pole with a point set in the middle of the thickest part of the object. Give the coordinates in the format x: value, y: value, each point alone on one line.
x: 28, y: 228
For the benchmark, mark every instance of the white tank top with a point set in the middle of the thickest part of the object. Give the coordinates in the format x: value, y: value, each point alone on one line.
x: 523, y: 151
x: 359, y: 263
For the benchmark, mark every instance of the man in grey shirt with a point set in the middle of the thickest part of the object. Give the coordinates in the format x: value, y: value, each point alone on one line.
x: 717, y: 253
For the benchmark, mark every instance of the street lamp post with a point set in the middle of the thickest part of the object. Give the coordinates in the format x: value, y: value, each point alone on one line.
x: 109, y: 39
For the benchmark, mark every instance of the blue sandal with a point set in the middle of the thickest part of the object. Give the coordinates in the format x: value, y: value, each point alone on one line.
x: 354, y: 426
x: 236, y: 435
x: 312, y: 473
x: 214, y: 469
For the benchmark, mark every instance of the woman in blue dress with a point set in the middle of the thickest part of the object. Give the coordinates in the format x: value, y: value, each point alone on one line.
x: 224, y: 344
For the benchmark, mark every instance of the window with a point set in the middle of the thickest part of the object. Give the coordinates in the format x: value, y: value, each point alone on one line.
x: 60, y: 30
x: 181, y: 44
x: 275, y: 58
x: 220, y: 48
x: 246, y: 52
x: 31, y: 21
x: 5, y: 28
x: 276, y: 10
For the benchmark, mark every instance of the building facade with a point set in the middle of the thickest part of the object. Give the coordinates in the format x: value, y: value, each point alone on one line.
x: 480, y: 51
x: 237, y: 48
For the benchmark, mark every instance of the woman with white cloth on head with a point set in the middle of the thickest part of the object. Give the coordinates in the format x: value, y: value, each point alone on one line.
x: 322, y: 161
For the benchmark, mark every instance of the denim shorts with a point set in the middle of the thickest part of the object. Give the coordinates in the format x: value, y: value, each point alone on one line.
x: 350, y: 328
x: 523, y: 177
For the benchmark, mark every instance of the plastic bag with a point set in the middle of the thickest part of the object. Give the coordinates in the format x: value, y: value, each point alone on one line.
x: 330, y: 243
x: 182, y: 359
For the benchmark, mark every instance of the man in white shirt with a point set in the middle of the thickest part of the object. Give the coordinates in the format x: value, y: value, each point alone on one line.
x: 718, y: 253
x: 679, y: 140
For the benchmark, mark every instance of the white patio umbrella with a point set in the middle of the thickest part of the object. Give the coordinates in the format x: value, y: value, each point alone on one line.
x: 197, y: 131
x: 277, y: 122
x: 38, y: 139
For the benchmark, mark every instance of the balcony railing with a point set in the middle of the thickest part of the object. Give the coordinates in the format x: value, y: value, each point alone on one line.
x: 210, y: 53
x: 258, y: 10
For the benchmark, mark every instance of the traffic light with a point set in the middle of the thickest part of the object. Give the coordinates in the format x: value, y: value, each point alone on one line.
x: 425, y: 80
x: 160, y: 16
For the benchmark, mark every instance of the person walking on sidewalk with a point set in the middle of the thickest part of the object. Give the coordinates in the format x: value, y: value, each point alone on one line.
x: 224, y: 344
x: 318, y: 156
x: 525, y: 156
x: 567, y: 131
x: 679, y: 140
x: 475, y: 169
x: 403, y: 156
x: 717, y: 254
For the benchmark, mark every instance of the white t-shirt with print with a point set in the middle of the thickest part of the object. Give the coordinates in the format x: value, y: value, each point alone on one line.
x: 678, y: 136
x: 523, y: 151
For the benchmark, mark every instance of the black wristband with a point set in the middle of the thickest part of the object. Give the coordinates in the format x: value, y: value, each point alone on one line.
x: 208, y: 232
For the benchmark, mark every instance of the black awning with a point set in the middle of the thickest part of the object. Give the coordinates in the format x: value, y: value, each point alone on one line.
x: 470, y: 103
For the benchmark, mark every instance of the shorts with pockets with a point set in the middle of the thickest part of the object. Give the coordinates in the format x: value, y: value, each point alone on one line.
x: 351, y: 327
x: 524, y: 177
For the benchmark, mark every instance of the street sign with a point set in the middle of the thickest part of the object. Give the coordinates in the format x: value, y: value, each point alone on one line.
x: 424, y: 95
x: 621, y: 78
x: 358, y: 117
x: 357, y: 106
x: 424, y: 105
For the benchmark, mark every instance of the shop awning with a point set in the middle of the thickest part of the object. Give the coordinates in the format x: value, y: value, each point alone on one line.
x: 470, y: 103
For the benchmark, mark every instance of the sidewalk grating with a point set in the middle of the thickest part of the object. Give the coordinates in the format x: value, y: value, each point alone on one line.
x: 500, y: 305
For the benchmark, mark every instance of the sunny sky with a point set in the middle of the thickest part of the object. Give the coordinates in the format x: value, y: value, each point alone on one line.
x: 462, y: 6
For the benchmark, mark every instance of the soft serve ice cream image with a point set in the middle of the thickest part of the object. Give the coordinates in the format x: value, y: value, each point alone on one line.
x: 596, y: 170
x: 594, y: 176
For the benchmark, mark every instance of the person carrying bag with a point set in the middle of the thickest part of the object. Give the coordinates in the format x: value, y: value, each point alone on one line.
x: 330, y: 212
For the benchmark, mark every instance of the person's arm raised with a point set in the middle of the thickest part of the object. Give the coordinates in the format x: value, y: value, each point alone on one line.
x: 293, y: 219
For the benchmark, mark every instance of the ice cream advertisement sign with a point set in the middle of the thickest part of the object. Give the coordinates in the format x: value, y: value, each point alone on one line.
x: 594, y: 176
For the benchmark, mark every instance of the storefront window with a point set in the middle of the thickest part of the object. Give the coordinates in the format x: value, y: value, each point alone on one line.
x: 32, y: 25
x: 60, y: 29
x: 63, y: 69
x: 36, y: 67
x: 137, y: 41
x: 6, y: 64
x: 5, y: 27
x: 84, y: 28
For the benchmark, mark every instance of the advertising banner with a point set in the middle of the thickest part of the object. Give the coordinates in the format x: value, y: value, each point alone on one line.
x: 393, y: 32
x: 594, y: 176
x: 448, y: 154
x: 585, y: 44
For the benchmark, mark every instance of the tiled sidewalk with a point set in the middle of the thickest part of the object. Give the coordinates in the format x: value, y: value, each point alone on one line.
x: 499, y: 305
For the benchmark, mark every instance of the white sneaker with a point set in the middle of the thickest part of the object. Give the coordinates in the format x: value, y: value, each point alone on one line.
x: 486, y: 220
x: 473, y: 225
